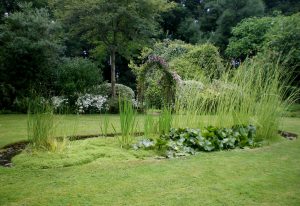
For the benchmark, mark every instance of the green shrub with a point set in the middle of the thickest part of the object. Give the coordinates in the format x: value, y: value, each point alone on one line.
x: 168, y: 49
x: 113, y: 105
x: 76, y: 75
x: 187, y: 87
x: 122, y: 91
x: 201, y: 60
x: 153, y: 94
x: 7, y: 95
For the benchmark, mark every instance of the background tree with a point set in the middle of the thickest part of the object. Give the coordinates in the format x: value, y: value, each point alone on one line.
x: 171, y: 19
x: 189, y: 31
x: 249, y: 36
x: 284, y: 6
x: 120, y: 26
x: 30, y: 49
x: 233, y: 11
x: 283, y: 39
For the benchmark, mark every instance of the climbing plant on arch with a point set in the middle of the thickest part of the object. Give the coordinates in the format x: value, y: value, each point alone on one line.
x: 168, y: 81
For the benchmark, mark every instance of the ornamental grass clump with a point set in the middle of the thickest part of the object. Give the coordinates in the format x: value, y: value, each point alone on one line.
x: 41, y: 126
x: 165, y: 120
x: 150, y: 125
x: 256, y: 93
x: 127, y: 122
x: 104, y: 124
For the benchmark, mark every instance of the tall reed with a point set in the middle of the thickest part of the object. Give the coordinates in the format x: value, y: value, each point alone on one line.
x: 127, y: 122
x: 165, y: 120
x: 150, y: 125
x: 255, y: 93
x: 104, y: 124
x: 40, y: 123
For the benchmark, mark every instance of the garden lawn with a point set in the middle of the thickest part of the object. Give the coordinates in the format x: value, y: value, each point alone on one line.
x: 98, y: 172
x: 13, y: 128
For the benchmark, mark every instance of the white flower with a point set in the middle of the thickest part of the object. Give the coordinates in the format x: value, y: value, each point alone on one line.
x: 90, y: 102
x: 58, y: 101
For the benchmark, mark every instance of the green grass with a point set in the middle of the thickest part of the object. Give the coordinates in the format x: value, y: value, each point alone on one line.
x: 13, y: 128
x: 99, y: 172
x: 293, y: 110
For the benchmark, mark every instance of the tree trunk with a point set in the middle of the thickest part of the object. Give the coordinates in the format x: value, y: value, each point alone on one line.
x: 113, y: 73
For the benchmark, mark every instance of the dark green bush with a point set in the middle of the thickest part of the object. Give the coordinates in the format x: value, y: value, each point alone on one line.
x: 7, y: 95
x: 113, y: 105
x: 76, y: 75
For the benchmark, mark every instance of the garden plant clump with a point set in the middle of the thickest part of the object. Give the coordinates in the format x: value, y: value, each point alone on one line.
x: 127, y: 122
x: 41, y: 125
x: 89, y: 103
x: 185, y: 142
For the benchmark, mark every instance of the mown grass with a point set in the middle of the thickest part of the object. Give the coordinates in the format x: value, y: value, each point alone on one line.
x: 293, y: 110
x: 263, y: 176
x: 98, y: 172
x: 13, y: 127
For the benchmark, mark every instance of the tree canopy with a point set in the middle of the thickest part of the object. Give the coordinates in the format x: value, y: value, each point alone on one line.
x: 118, y: 26
x: 30, y: 48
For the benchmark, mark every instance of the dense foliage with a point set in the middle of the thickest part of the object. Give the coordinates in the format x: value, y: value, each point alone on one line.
x: 63, y: 47
x: 184, y: 142
x: 30, y: 48
x: 279, y: 34
x: 76, y: 75
x: 201, y: 60
x: 248, y: 37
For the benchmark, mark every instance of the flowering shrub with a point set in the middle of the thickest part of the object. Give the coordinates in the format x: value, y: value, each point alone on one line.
x: 176, y: 77
x: 59, y: 102
x: 158, y: 60
x: 135, y: 103
x: 105, y: 90
x: 89, y: 103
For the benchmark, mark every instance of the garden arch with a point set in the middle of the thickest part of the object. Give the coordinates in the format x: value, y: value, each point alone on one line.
x: 168, y: 81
